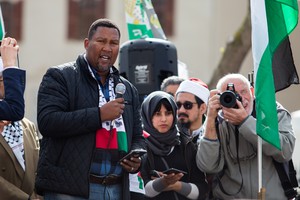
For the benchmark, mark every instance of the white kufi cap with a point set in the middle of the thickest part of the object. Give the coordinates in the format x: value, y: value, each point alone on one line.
x: 196, y: 87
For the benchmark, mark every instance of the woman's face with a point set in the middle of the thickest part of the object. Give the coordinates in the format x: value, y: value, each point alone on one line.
x: 162, y: 120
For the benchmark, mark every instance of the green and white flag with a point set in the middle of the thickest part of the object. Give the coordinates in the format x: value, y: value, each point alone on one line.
x: 274, y: 70
x: 2, y: 29
x: 156, y: 28
x: 142, y: 21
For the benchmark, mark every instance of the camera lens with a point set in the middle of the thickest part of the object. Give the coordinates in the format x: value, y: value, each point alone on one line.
x: 228, y: 99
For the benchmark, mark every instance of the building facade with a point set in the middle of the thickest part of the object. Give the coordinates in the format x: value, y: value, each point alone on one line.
x: 200, y: 31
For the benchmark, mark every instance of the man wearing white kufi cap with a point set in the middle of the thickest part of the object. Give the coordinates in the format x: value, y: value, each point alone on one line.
x: 191, y: 98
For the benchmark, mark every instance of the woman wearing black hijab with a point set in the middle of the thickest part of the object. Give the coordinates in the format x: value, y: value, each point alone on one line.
x: 166, y: 149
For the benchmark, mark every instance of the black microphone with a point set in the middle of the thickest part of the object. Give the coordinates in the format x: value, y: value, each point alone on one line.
x: 120, y: 90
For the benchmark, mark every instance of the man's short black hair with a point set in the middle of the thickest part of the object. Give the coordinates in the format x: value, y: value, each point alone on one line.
x: 199, y: 101
x: 103, y: 22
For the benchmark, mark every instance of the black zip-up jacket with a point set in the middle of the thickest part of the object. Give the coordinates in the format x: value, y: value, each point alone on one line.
x: 68, y: 118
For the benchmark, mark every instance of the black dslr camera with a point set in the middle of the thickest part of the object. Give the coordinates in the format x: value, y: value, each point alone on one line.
x: 229, y: 97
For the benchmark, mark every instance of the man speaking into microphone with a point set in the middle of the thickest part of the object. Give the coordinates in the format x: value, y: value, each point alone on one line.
x: 89, y: 117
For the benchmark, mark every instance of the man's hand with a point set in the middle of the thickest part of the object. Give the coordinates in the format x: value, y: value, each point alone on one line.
x: 213, y: 108
x: 214, y: 104
x: 235, y: 116
x: 9, y: 51
x: 112, y: 110
x: 131, y: 165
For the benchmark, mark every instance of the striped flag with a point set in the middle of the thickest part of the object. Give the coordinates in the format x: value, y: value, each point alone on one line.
x: 274, y: 70
x: 142, y: 21
x: 156, y: 28
x: 115, y: 139
x: 2, y: 29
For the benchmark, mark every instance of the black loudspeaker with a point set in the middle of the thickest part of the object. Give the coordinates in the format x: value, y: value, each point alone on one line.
x: 147, y: 62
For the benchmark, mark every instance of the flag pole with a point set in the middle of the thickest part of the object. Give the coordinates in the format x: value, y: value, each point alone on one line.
x: 261, y: 189
x: 259, y: 157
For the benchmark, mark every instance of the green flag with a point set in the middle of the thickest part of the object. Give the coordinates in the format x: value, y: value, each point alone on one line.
x: 272, y: 22
x: 2, y: 30
x: 142, y: 21
x: 137, y: 20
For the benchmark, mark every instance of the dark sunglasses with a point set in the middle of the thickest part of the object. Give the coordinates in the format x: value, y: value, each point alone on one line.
x: 187, y: 105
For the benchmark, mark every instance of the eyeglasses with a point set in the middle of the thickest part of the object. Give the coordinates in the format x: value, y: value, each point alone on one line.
x: 187, y: 105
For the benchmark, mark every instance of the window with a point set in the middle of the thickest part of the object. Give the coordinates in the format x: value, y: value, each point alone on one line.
x: 12, y: 14
x: 165, y: 13
x: 81, y: 14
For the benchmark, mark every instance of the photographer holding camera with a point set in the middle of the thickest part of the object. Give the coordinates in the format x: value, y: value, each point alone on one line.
x: 229, y: 146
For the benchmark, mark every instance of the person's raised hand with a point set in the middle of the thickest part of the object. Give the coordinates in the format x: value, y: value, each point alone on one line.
x: 235, y: 116
x: 213, y: 104
x: 9, y: 51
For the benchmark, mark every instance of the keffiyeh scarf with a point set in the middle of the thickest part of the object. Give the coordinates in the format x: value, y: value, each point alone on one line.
x: 13, y: 135
x: 112, y: 135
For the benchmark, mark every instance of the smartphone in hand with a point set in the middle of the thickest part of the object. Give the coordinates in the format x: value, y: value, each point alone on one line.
x: 174, y: 170
x: 134, y: 153
x: 154, y: 173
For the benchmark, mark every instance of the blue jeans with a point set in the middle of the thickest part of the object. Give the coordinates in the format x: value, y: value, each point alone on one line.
x: 97, y: 192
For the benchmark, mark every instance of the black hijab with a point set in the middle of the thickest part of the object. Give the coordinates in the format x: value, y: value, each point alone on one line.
x: 160, y: 143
